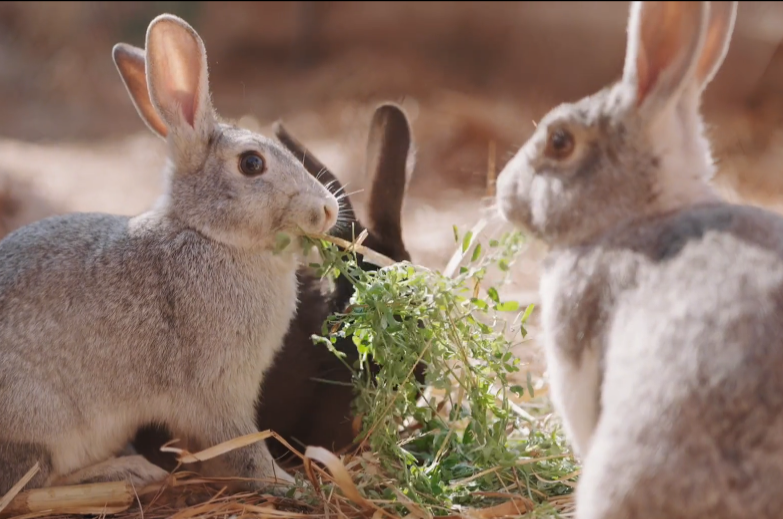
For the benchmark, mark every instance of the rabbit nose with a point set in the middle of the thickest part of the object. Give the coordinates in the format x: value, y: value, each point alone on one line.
x: 330, y: 214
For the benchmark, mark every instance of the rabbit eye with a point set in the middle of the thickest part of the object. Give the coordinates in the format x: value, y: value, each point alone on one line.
x: 559, y: 144
x: 251, y: 164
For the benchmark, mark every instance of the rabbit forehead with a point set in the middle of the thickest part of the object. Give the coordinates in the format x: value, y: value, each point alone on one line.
x: 608, y: 104
x: 235, y: 139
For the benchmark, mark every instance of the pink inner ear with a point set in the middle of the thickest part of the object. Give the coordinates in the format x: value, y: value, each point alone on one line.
x: 176, y: 58
x: 644, y: 81
x: 185, y: 101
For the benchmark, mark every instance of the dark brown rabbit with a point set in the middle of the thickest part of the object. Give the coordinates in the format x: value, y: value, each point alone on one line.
x: 22, y: 203
x: 295, y: 399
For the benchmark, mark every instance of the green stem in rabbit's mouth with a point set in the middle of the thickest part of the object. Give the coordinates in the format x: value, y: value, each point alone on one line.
x: 282, y: 241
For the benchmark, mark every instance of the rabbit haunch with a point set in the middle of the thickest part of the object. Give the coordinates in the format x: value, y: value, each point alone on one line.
x: 661, y: 302
x: 108, y: 323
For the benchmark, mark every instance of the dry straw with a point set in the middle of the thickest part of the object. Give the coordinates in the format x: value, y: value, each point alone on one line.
x: 186, y: 495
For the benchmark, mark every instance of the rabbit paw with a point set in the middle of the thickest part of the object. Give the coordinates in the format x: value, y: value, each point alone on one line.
x: 136, y: 470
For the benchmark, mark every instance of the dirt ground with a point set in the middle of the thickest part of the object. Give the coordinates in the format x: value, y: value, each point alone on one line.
x: 71, y: 141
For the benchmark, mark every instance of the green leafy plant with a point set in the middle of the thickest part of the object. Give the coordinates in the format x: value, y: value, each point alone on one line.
x: 459, y: 441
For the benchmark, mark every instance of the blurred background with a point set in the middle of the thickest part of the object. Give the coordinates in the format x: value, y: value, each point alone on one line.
x: 472, y: 76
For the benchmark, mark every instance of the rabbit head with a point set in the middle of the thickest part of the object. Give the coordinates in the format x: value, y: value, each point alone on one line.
x: 390, y: 159
x: 230, y: 184
x: 633, y: 149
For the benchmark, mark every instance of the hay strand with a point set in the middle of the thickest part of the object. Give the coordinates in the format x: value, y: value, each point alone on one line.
x: 96, y: 498
x: 185, y: 457
x: 338, y: 472
x: 11, y: 494
x: 370, y: 256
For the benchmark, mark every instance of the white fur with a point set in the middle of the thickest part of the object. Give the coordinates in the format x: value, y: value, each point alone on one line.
x: 686, y: 162
x: 574, y: 386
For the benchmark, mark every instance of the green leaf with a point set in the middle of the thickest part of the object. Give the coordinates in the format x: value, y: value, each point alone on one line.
x: 466, y: 241
x: 481, y: 305
x: 508, y: 306
x: 528, y: 312
x: 476, y: 253
x: 530, y: 390
x: 469, y: 437
x: 493, y: 294
x: 456, y: 234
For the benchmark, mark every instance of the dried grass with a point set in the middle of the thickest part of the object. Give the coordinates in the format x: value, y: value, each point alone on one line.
x: 186, y: 495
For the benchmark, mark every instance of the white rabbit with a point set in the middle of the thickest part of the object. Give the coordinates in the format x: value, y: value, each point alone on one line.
x: 108, y: 323
x: 661, y: 303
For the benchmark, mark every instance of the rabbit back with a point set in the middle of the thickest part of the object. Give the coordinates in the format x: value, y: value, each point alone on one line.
x: 689, y: 345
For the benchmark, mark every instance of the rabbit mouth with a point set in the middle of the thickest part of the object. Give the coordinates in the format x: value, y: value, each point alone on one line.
x: 323, y: 224
x: 319, y: 220
x: 322, y: 217
x: 509, y: 204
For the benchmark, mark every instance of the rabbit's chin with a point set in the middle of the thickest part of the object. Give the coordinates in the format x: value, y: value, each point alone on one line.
x: 512, y: 205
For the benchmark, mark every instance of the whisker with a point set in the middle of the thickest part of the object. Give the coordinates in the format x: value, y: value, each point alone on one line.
x: 342, y: 187
x: 345, y: 210
x: 343, y: 196
x: 352, y: 193
x: 340, y: 199
x: 348, y: 216
x: 330, y: 184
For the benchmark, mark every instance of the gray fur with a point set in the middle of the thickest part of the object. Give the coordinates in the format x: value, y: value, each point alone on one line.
x: 661, y: 303
x: 108, y: 323
x: 691, y: 400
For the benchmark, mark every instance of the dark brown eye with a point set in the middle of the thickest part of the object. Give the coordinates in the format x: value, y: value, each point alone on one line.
x: 559, y: 144
x: 251, y: 164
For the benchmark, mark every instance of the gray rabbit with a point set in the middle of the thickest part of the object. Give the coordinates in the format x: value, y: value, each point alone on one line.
x: 661, y: 303
x: 306, y: 394
x: 108, y: 323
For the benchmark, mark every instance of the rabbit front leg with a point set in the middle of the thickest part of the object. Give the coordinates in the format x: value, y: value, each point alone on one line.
x: 572, y: 320
x: 252, y: 463
x: 575, y: 391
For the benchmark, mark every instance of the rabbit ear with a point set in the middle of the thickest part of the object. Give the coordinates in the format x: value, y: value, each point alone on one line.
x: 177, y: 76
x: 316, y: 168
x: 720, y: 26
x: 130, y: 63
x: 664, y: 43
x: 388, y: 148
